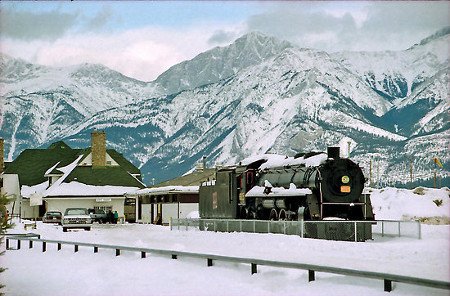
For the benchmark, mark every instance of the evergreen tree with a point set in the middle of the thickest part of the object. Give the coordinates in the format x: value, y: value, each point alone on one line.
x: 4, y: 224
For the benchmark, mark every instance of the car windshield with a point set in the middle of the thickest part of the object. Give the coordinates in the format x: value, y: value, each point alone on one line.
x: 53, y: 214
x: 76, y: 212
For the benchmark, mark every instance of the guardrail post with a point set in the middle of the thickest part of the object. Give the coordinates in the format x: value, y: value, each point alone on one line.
x: 311, y: 276
x: 228, y: 229
x: 399, y: 229
x: 18, y: 244
x: 95, y: 249
x: 420, y: 230
x: 7, y: 243
x: 30, y: 244
x: 117, y: 252
x: 254, y: 268
x: 356, y: 232
x: 268, y: 226
x: 174, y: 256
x: 59, y: 246
x: 143, y: 255
x: 76, y: 248
x: 302, y: 228
x: 254, y: 226
x: 210, y: 262
x: 240, y: 225
x: 387, y: 285
x: 44, y: 246
x: 382, y: 228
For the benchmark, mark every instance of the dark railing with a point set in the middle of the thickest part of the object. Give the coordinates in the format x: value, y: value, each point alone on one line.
x: 210, y: 258
x: 383, y: 227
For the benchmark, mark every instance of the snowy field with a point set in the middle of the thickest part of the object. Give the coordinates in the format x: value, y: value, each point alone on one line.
x: 32, y: 272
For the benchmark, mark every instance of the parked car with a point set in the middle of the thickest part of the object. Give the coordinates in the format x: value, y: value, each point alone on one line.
x: 52, y: 217
x: 76, y: 218
x: 98, y: 215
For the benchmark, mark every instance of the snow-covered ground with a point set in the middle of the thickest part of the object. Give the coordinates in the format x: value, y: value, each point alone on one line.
x: 32, y: 272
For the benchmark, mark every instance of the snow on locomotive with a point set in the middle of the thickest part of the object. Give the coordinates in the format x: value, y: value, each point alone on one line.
x: 311, y: 186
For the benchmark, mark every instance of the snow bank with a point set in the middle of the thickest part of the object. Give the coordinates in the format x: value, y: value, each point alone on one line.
x: 103, y: 273
x: 426, y: 204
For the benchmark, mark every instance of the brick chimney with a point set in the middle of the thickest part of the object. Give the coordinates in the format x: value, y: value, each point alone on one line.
x: 98, y: 145
x: 2, y: 152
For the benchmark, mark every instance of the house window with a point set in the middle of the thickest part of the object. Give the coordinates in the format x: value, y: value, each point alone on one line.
x: 108, y: 162
x: 104, y: 208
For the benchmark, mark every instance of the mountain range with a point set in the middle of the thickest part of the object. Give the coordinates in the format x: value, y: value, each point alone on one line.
x: 257, y: 95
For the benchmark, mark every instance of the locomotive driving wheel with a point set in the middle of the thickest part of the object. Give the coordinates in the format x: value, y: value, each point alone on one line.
x: 273, y: 215
x: 282, y: 216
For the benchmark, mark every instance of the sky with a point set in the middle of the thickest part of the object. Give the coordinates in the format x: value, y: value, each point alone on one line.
x: 142, y: 39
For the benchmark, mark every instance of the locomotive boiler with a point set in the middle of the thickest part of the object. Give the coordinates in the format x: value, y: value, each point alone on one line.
x: 311, y: 186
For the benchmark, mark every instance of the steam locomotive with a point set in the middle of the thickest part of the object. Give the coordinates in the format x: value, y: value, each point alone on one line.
x: 310, y: 187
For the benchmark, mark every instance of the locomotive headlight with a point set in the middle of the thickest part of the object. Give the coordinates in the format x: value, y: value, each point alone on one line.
x: 345, y: 179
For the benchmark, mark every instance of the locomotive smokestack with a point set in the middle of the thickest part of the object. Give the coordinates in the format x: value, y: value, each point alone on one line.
x: 333, y: 152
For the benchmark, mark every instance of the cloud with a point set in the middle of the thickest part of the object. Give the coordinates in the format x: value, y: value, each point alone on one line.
x: 222, y: 37
x: 57, y: 38
x: 28, y: 25
x: 305, y: 28
x: 140, y: 53
x: 357, y: 26
x: 100, y: 20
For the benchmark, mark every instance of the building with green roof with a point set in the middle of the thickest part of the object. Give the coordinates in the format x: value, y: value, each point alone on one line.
x: 60, y: 177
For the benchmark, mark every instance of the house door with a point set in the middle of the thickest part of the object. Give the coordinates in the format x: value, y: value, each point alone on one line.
x: 42, y: 209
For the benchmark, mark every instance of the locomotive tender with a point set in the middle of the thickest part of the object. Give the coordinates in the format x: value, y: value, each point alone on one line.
x: 310, y: 187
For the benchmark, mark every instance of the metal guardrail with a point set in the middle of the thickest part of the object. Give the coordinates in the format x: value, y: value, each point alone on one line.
x: 300, y: 228
x: 399, y: 228
x: 22, y: 235
x: 254, y: 262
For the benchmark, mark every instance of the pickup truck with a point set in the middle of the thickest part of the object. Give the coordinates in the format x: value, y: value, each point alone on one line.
x: 98, y: 216
x: 76, y: 218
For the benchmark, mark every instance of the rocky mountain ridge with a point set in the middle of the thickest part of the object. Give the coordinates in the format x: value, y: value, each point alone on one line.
x: 257, y: 95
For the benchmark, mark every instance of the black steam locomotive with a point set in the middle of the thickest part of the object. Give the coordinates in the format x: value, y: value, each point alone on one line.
x: 312, y: 186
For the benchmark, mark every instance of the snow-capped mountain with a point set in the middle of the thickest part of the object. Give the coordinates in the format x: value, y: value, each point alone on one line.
x: 221, y: 62
x: 39, y: 102
x: 256, y: 95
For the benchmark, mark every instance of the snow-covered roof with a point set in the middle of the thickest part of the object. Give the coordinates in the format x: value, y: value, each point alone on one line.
x: 80, y: 189
x: 66, y: 171
x: 258, y: 191
x: 51, y: 169
x: 275, y: 160
x: 164, y: 190
x: 27, y: 191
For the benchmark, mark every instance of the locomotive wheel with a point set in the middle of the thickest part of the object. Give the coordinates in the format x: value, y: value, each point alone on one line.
x: 243, y: 213
x: 273, y: 215
x: 282, y: 215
